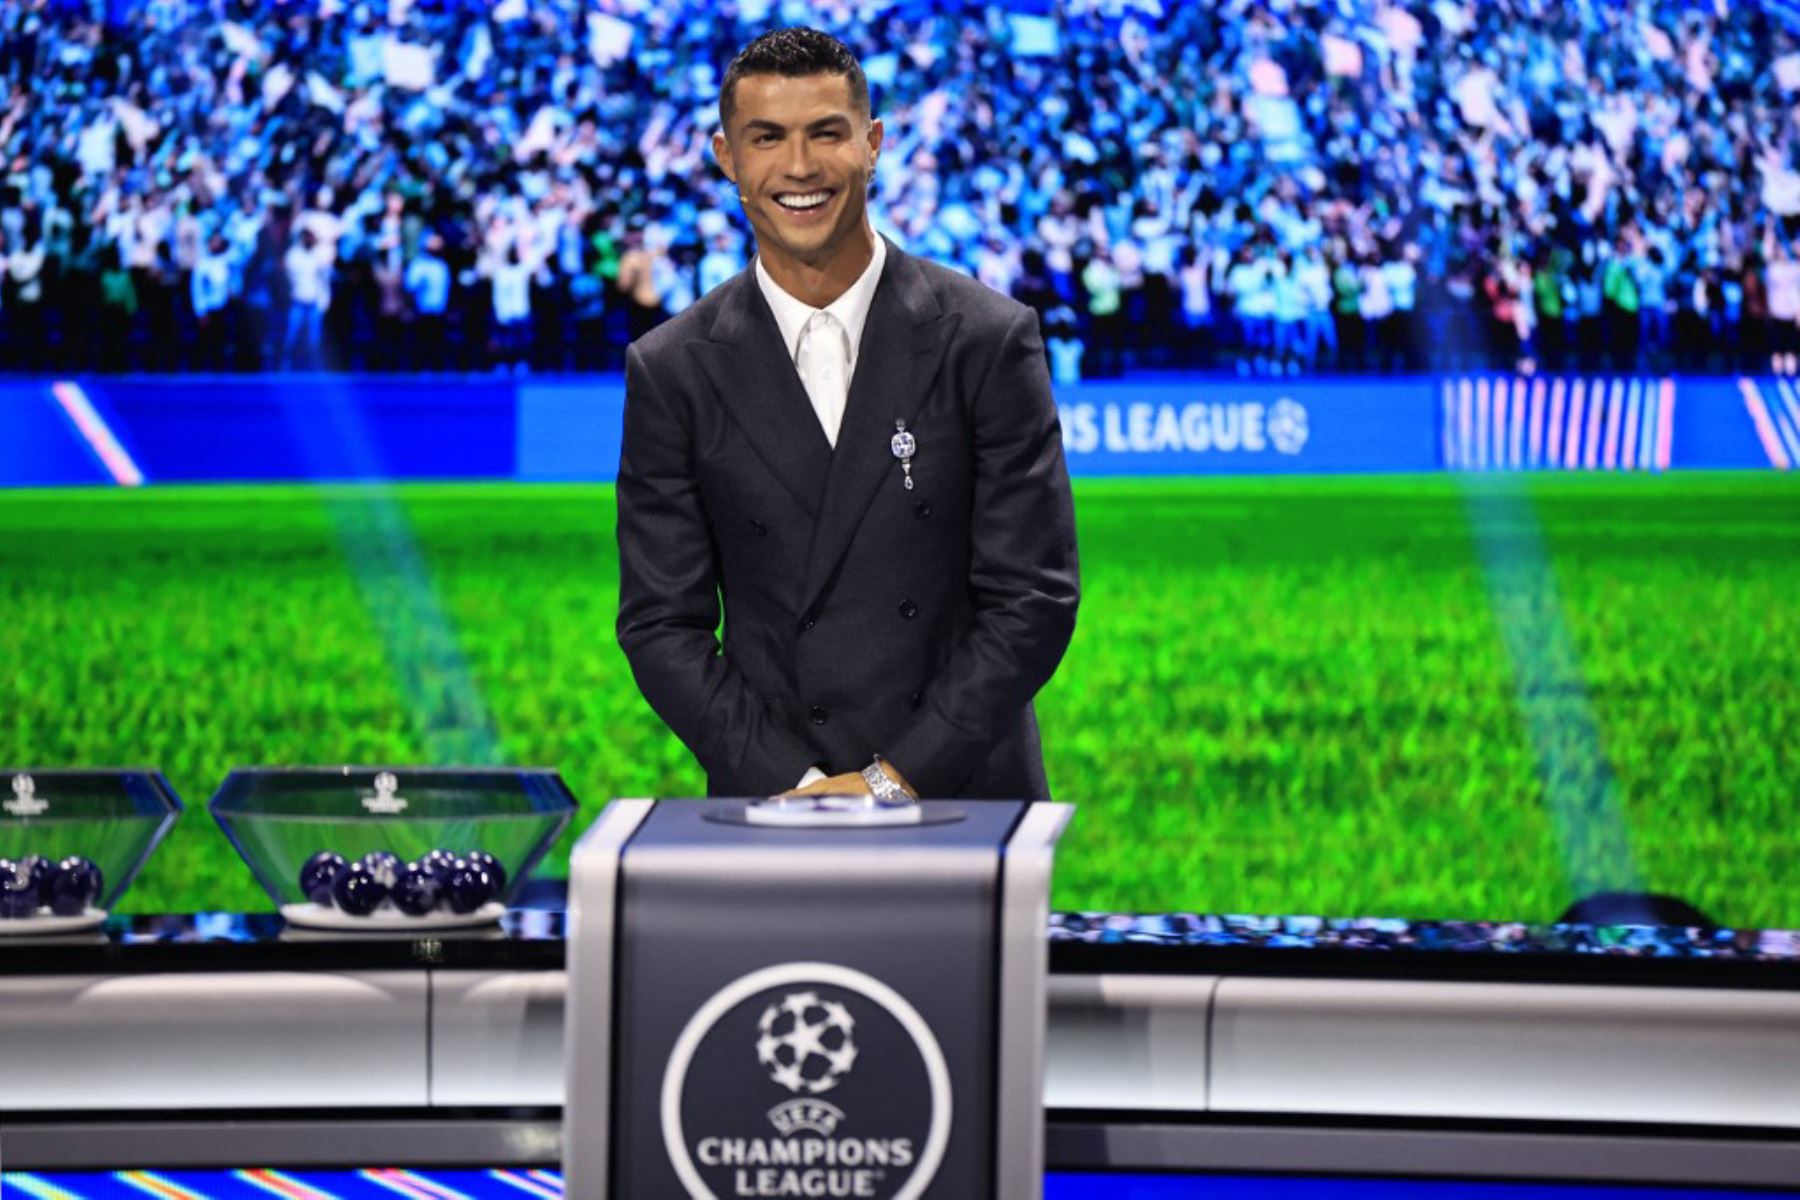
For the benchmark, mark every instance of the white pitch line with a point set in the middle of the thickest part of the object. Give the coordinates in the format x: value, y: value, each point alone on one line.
x: 95, y: 432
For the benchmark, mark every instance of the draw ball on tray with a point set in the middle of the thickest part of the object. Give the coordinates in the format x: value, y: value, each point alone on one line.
x: 418, y: 890
x: 317, y: 876
x: 75, y: 885
x: 468, y: 887
x: 496, y: 872
x: 18, y: 895
x: 40, y: 869
x: 438, y: 862
x: 356, y: 890
x: 384, y: 865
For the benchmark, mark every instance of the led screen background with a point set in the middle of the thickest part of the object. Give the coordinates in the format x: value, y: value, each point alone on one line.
x: 1360, y: 685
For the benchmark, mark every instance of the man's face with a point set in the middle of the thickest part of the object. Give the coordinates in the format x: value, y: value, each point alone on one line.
x: 801, y: 156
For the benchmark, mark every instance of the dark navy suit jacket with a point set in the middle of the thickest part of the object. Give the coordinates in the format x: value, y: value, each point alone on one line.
x: 860, y: 617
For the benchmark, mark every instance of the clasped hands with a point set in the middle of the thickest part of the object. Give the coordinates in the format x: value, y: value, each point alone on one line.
x: 851, y: 783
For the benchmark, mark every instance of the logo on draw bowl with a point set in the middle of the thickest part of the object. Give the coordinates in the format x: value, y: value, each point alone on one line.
x: 25, y: 801
x: 384, y: 801
x: 806, y: 1079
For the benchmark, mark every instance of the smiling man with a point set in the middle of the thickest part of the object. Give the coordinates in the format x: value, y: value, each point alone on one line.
x: 854, y: 454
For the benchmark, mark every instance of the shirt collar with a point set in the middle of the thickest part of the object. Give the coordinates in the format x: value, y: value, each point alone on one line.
x: 851, y: 309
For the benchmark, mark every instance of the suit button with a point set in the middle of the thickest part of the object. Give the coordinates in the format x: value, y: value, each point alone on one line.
x: 917, y: 698
x: 806, y: 623
x: 922, y: 509
x: 761, y: 529
x: 818, y: 716
x: 908, y: 609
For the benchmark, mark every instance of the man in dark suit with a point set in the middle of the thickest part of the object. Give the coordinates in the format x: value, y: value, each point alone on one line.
x: 858, y: 451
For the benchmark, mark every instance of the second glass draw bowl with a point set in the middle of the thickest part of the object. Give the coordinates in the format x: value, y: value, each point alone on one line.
x: 363, y: 848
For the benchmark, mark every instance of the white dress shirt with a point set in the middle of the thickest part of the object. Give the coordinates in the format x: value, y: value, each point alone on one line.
x: 822, y: 342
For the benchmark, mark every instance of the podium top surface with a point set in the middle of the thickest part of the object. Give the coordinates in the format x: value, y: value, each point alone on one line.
x: 983, y: 825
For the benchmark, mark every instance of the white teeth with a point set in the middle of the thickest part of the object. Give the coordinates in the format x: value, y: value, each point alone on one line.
x: 811, y: 200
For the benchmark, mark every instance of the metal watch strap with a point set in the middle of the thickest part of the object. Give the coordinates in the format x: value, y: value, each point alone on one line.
x: 882, y: 786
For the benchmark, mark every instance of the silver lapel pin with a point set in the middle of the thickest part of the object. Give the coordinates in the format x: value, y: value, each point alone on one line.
x: 903, y: 446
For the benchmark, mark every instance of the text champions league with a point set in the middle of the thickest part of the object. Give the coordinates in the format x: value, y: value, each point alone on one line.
x: 806, y: 1166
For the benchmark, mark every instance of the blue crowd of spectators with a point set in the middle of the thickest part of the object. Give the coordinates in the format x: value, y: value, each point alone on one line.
x: 1271, y: 186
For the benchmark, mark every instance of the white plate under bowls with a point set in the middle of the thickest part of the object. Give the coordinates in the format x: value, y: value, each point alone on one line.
x: 92, y: 918
x: 388, y: 919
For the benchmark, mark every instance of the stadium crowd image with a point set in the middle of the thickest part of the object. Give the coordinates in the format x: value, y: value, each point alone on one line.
x: 1061, y: 598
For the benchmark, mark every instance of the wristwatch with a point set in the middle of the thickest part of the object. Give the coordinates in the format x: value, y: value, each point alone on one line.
x: 882, y: 785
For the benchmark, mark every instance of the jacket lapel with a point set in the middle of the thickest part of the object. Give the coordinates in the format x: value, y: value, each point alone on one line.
x: 756, y: 382
x: 903, y: 343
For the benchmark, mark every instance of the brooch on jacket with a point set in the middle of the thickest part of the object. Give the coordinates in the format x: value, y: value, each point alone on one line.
x: 903, y: 445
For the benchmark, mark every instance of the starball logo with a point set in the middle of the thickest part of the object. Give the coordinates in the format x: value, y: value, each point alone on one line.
x: 26, y: 802
x: 791, y: 1034
x: 384, y: 801
x: 806, y: 1042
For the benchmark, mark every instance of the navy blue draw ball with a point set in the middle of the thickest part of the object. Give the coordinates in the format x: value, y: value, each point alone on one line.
x: 418, y: 890
x: 40, y: 869
x: 317, y: 876
x: 439, y: 863
x: 18, y: 892
x: 75, y: 886
x: 385, y: 866
x: 496, y: 872
x: 468, y: 887
x: 356, y: 890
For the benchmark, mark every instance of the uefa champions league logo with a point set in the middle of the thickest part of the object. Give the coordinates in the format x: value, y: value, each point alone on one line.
x: 384, y: 801
x: 26, y: 802
x: 1287, y: 425
x: 806, y: 1046
x: 813, y: 1028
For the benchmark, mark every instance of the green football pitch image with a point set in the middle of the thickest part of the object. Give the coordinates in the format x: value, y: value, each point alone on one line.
x: 1431, y: 697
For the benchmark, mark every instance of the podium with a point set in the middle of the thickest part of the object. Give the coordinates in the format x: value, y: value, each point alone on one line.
x: 814, y: 1008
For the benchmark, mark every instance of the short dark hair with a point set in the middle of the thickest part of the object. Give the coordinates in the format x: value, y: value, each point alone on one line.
x: 794, y: 53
